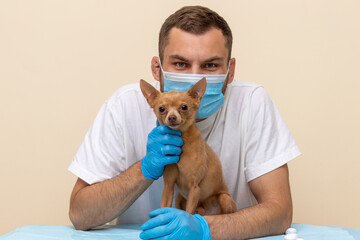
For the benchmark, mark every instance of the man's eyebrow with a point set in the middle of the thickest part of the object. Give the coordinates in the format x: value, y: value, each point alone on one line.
x: 181, y: 58
x: 178, y: 57
x: 213, y: 59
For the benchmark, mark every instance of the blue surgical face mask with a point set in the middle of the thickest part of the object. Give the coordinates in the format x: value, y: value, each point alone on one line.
x: 213, y: 97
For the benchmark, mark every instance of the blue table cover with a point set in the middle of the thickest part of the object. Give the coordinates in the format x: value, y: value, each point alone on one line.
x: 42, y: 232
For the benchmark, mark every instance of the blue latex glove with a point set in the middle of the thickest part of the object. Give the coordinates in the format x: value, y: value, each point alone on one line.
x: 172, y: 223
x: 163, y: 148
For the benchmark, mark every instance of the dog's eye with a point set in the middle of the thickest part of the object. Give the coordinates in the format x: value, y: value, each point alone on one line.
x: 161, y: 109
x: 184, y: 107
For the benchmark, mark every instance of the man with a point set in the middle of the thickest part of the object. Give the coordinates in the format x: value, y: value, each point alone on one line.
x: 124, y: 153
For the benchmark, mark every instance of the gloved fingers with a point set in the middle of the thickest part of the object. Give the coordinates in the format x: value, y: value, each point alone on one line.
x: 160, y: 226
x: 170, y: 140
x: 161, y: 232
x: 157, y: 221
x: 163, y: 129
x: 159, y: 211
x: 170, y: 160
x: 169, y: 150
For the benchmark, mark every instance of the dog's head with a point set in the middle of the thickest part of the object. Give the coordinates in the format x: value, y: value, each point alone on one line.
x: 175, y: 109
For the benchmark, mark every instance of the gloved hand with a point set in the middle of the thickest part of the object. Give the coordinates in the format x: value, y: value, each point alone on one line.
x: 172, y: 223
x: 163, y: 147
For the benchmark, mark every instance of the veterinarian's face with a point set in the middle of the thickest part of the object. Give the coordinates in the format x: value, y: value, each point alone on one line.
x: 196, y: 54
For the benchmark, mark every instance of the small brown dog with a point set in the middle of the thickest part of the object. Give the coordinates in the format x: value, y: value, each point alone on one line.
x: 198, y: 174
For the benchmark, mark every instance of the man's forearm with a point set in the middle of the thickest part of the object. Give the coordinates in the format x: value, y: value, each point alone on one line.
x: 100, y: 203
x: 260, y: 220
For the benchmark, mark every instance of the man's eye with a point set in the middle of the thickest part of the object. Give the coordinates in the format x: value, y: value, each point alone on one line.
x: 161, y: 109
x: 210, y: 65
x: 180, y: 65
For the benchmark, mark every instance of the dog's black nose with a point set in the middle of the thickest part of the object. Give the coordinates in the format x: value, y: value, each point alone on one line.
x: 172, y: 118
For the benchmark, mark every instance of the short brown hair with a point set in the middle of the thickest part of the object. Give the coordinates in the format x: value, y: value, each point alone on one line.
x: 196, y: 20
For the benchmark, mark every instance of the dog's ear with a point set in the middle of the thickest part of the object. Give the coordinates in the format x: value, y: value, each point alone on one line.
x: 198, y: 90
x: 149, y: 92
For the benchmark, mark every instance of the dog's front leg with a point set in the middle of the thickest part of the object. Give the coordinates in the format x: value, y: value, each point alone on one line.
x: 170, y: 175
x: 180, y: 202
x: 227, y: 204
x: 193, y: 199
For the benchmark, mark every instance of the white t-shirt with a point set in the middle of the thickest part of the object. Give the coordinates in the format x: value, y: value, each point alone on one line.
x: 247, y: 133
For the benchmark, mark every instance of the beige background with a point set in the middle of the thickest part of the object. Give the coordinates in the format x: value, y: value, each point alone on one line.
x: 60, y: 60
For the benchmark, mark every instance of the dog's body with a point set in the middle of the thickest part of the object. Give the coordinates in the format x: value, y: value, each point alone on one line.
x: 198, y: 174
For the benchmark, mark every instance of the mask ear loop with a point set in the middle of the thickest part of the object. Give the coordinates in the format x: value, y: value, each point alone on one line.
x: 226, y: 79
x: 162, y: 83
x: 161, y: 86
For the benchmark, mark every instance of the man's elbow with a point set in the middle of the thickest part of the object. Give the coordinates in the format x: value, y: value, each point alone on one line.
x: 77, y: 222
x: 283, y: 219
x: 286, y: 219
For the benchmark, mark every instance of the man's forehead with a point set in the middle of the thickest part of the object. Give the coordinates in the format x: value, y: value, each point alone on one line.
x: 208, y: 46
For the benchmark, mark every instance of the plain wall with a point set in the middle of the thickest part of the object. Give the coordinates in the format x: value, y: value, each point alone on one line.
x: 60, y: 60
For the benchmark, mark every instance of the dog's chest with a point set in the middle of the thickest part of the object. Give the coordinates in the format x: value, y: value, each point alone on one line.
x: 191, y: 167
x: 192, y: 163
x: 193, y: 157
